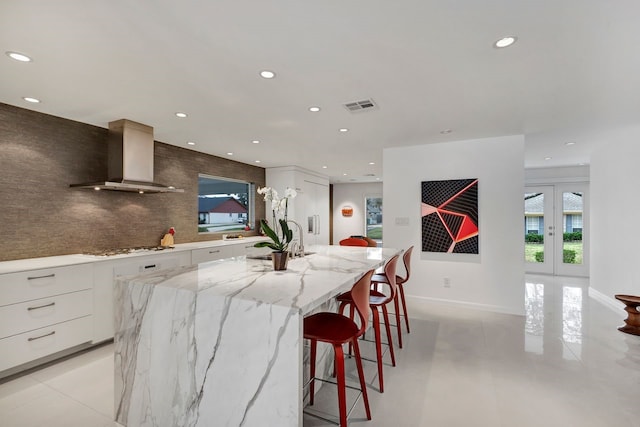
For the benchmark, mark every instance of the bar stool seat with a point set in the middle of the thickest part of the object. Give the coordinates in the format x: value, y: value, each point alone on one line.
x: 332, y: 328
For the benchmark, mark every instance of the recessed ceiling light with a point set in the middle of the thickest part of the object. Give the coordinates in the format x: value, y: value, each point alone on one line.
x: 372, y: 163
x: 377, y: 179
x: 257, y: 161
x: 181, y: 115
x: 505, y: 42
x: 570, y: 143
x: 446, y: 131
x: 255, y: 141
x: 344, y: 130
x: 229, y: 153
x: 191, y: 143
x: 548, y: 158
x: 29, y: 99
x: 96, y: 188
x: 324, y: 167
x: 314, y: 109
x: 266, y: 74
x: 344, y: 174
x: 18, y: 56
x: 140, y: 191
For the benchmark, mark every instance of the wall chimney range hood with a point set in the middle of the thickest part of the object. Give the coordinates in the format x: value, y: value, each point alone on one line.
x: 130, y: 161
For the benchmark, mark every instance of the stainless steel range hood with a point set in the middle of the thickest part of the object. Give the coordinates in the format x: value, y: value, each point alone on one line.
x: 130, y: 161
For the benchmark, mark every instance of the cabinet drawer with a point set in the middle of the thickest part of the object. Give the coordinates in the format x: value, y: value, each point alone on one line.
x: 35, y: 284
x: 26, y: 316
x: 38, y: 343
x: 210, y: 254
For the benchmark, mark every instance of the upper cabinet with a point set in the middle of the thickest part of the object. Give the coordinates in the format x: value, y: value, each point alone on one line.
x: 310, y: 208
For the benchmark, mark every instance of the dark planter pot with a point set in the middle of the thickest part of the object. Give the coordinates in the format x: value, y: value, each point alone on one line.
x: 280, y: 260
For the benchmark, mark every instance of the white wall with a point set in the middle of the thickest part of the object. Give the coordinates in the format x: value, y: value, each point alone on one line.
x: 615, y: 208
x: 492, y: 280
x: 352, y: 195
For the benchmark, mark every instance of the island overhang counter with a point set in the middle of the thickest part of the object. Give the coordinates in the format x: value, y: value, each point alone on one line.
x: 220, y: 343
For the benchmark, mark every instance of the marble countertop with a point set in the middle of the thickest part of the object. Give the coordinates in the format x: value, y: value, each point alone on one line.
x: 7, y: 267
x: 306, y: 283
x: 221, y: 343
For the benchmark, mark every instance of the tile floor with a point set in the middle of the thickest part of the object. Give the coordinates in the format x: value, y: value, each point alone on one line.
x: 563, y: 364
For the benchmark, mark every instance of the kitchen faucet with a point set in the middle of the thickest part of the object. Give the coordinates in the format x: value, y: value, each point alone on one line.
x: 299, y: 250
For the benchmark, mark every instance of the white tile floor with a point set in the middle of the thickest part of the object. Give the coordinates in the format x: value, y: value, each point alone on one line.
x: 564, y: 364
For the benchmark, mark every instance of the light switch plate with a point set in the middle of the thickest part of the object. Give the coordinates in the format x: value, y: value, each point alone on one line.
x: 402, y: 220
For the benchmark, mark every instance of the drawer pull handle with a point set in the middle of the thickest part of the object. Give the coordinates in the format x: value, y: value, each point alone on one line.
x: 150, y: 266
x: 214, y: 252
x: 42, y: 336
x: 41, y: 277
x: 51, y: 304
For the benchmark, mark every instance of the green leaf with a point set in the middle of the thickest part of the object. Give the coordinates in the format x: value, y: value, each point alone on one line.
x: 268, y: 231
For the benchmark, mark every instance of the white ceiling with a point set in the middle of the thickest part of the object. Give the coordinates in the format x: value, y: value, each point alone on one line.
x: 429, y: 65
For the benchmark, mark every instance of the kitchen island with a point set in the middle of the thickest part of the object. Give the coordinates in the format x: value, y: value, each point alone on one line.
x: 220, y: 343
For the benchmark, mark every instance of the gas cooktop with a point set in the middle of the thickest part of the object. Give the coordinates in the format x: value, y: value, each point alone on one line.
x: 125, y: 251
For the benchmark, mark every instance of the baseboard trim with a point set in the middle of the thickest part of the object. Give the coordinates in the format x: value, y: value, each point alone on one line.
x: 472, y: 305
x: 606, y: 300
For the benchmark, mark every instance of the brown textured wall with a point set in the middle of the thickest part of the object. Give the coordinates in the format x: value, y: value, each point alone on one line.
x: 40, y: 215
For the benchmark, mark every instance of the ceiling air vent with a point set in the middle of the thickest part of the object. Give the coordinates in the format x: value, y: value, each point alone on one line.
x: 358, y: 106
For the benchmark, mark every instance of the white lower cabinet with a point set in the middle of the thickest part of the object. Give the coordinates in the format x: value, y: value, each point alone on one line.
x: 211, y: 254
x: 43, y: 312
x: 19, y: 349
x: 27, y: 316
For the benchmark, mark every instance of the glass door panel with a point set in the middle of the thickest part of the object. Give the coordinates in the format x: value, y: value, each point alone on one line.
x: 373, y: 218
x: 572, y: 248
x: 538, y: 229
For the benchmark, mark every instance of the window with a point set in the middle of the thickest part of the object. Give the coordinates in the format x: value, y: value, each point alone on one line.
x: 224, y: 204
x: 533, y: 225
x: 373, y: 218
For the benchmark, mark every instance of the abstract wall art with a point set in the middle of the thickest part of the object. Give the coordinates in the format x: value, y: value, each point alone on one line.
x: 450, y: 216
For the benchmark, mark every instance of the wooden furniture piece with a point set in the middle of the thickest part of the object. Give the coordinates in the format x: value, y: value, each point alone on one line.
x: 337, y: 330
x: 378, y: 300
x: 400, y: 281
x: 632, y: 322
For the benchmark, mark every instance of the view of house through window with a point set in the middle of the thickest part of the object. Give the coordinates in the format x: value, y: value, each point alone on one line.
x: 224, y: 204
x: 373, y: 220
x: 572, y: 207
x: 534, y: 227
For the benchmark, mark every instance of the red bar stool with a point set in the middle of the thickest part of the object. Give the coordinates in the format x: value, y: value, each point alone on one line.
x: 400, y: 281
x: 378, y: 300
x: 336, y: 329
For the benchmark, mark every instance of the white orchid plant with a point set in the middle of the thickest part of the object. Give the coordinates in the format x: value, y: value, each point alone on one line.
x: 281, y: 235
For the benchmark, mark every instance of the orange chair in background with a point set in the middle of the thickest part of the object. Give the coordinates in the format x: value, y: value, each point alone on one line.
x: 351, y: 241
x: 372, y: 243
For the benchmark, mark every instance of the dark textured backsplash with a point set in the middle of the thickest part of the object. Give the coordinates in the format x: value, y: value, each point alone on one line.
x: 40, y: 215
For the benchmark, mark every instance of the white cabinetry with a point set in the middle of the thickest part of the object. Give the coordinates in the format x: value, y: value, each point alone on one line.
x: 106, y: 271
x: 211, y: 254
x: 310, y: 208
x: 43, y: 312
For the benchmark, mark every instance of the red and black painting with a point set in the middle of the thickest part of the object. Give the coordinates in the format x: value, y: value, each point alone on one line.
x: 450, y: 216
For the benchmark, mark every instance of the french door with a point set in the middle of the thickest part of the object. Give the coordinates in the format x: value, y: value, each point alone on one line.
x: 556, y: 229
